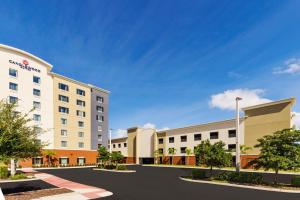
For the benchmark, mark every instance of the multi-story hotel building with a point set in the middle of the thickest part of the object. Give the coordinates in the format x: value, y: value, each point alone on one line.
x: 73, y: 116
x: 259, y: 120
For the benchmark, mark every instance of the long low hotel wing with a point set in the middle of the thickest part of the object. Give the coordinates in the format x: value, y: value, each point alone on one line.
x: 259, y: 120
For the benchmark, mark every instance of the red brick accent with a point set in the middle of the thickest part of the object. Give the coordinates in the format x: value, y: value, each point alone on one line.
x: 90, y: 157
x: 130, y: 160
x: 245, y: 159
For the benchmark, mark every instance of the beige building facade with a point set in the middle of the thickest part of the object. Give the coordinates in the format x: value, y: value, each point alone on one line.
x: 64, y: 109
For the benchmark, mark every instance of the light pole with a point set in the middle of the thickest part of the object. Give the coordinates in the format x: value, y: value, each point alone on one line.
x: 110, y: 130
x: 237, y: 146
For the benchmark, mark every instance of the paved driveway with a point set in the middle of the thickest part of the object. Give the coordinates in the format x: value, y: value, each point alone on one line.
x: 151, y: 183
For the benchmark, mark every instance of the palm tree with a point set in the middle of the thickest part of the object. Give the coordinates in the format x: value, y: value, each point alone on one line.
x: 171, y: 151
x: 188, y: 152
x: 156, y: 154
x: 49, y: 154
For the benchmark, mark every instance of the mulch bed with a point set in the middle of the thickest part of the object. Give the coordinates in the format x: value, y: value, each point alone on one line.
x: 35, y: 194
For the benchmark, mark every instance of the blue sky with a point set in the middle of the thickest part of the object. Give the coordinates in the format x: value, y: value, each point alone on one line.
x: 168, y: 63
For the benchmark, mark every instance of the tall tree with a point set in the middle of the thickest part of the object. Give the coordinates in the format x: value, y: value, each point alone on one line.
x: 213, y: 155
x: 172, y: 151
x: 280, y: 151
x: 18, y: 139
x: 103, y: 154
x: 116, y: 157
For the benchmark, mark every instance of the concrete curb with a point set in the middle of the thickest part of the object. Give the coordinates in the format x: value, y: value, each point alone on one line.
x: 19, y: 180
x: 116, y: 171
x: 242, y: 170
x: 241, y: 186
x: 39, y: 168
x: 1, y: 195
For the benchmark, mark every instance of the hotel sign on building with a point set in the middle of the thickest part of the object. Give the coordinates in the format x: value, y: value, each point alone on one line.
x: 64, y: 108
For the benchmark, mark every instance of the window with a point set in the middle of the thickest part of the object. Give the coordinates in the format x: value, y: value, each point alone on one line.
x: 80, y: 144
x: 182, y: 149
x: 13, y: 86
x: 13, y: 72
x: 114, y: 145
x: 119, y: 145
x: 197, y: 137
x: 63, y: 133
x: 80, y: 113
x: 80, y: 103
x: 214, y: 135
x: 232, y: 133
x: 171, y: 139
x: 99, y: 128
x: 183, y: 138
x: 13, y: 99
x: 99, y: 108
x: 100, y: 99
x: 80, y: 161
x: 99, y: 118
x: 160, y: 140
x: 80, y: 134
x: 37, y: 117
x: 81, y: 124
x: 63, y: 143
x: 63, y: 86
x: 231, y: 147
x: 63, y: 121
x: 125, y: 144
x: 80, y: 92
x: 64, y: 161
x: 99, y: 137
x: 36, y: 105
x: 63, y: 109
x: 36, y: 79
x: 36, y: 92
x: 63, y: 98
x: 37, y: 161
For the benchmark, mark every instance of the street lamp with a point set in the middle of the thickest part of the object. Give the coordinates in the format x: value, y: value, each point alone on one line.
x: 110, y: 130
x: 237, y: 147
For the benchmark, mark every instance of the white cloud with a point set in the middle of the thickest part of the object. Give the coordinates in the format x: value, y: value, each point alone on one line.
x: 149, y: 125
x: 226, y: 99
x: 291, y: 66
x: 119, y: 133
x: 296, y: 119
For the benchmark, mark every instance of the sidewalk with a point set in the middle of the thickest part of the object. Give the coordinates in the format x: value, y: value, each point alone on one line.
x: 86, y: 191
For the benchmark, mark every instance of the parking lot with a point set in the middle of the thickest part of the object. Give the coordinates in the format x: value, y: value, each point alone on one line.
x: 150, y: 183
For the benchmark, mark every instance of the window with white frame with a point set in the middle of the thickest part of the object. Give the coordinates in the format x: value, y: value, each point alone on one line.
x: 63, y: 121
x: 63, y: 98
x: 13, y: 86
x: 80, y: 92
x: 13, y: 99
x: 80, y: 113
x: 81, y: 124
x: 36, y: 105
x: 81, y: 134
x: 63, y: 86
x: 100, y: 99
x: 36, y: 79
x: 80, y: 103
x: 80, y: 144
x: 64, y: 132
x: 36, y: 117
x: 36, y: 92
x: 63, y: 109
x: 99, y: 128
x: 13, y: 72
x: 63, y: 143
x: 99, y: 137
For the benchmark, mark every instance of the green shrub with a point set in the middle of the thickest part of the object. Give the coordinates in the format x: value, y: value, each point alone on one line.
x: 18, y: 176
x: 241, y: 177
x: 121, y: 167
x: 110, y: 167
x: 4, y: 173
x: 198, y: 174
x: 296, y: 181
